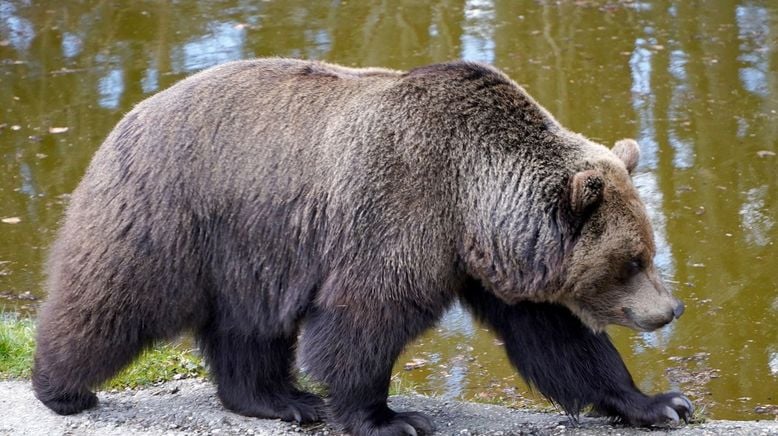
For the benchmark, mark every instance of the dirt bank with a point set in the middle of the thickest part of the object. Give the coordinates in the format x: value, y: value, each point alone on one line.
x: 189, y: 407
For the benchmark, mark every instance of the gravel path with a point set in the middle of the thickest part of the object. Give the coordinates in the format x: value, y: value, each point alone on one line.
x: 189, y: 407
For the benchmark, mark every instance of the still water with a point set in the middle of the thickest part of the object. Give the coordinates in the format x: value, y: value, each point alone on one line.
x: 696, y: 82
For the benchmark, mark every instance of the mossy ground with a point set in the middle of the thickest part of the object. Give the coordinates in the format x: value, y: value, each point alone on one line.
x: 159, y: 363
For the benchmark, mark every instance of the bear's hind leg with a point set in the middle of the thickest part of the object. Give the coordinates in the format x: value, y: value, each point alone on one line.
x: 78, y: 349
x: 255, y: 377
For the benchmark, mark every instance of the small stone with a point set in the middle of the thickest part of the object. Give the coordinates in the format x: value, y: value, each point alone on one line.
x: 415, y: 363
x: 27, y: 295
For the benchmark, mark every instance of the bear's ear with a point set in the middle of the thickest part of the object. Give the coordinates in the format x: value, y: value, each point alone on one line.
x: 629, y: 152
x: 586, y: 190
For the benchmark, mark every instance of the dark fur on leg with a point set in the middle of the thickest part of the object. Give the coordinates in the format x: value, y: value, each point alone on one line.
x: 254, y: 376
x: 354, y: 355
x: 570, y: 364
x: 70, y: 361
x: 109, y: 297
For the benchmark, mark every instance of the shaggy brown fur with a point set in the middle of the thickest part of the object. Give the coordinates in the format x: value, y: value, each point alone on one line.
x: 262, y: 198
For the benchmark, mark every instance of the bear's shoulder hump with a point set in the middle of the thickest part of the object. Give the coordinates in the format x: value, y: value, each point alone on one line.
x: 464, y: 70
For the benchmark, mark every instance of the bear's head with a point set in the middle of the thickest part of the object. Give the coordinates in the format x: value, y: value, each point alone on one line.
x: 576, y: 234
x: 610, y: 274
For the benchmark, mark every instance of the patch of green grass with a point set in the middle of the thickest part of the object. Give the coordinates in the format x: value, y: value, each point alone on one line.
x: 399, y: 386
x: 163, y: 362
x: 160, y: 363
x: 700, y: 415
x: 17, y: 342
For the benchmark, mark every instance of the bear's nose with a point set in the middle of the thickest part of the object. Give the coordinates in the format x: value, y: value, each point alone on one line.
x: 678, y: 310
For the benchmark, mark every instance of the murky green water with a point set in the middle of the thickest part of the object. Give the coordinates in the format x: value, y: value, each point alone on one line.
x: 696, y: 82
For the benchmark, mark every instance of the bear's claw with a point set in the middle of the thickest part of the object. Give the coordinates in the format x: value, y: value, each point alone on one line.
x: 672, y: 415
x: 298, y: 417
x: 409, y: 429
x: 417, y: 421
x: 674, y: 408
x: 296, y: 406
x: 682, y: 407
x: 306, y: 407
x: 683, y: 403
x: 661, y: 410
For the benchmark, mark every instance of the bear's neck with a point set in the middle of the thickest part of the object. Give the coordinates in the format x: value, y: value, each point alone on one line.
x: 516, y: 226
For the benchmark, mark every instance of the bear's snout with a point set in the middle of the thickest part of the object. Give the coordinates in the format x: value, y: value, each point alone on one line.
x: 654, y: 318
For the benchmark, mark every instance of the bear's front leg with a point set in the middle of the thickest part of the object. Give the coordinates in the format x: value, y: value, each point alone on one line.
x: 353, y: 349
x: 570, y: 364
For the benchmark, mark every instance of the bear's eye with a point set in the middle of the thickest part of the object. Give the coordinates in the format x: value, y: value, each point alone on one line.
x: 634, y: 266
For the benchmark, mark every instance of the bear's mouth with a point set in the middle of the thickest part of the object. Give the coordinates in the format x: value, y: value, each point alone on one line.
x: 645, y: 324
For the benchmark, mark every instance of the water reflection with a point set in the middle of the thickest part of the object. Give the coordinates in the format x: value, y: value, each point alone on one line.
x: 224, y: 42
x: 754, y: 32
x: 755, y: 223
x: 477, y: 40
x: 19, y: 30
x: 694, y: 82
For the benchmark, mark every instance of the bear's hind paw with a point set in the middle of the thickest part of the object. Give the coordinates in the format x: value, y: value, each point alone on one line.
x: 401, y: 424
x: 296, y: 406
x: 306, y: 407
x: 70, y: 403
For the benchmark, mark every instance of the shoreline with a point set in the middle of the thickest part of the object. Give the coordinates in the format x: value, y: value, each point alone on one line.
x: 190, y: 407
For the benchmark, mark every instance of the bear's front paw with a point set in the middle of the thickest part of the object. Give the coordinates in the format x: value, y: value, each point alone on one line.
x: 400, y: 424
x: 674, y: 406
x: 660, y: 410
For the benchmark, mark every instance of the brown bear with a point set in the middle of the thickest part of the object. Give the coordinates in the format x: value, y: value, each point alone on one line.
x: 276, y: 205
